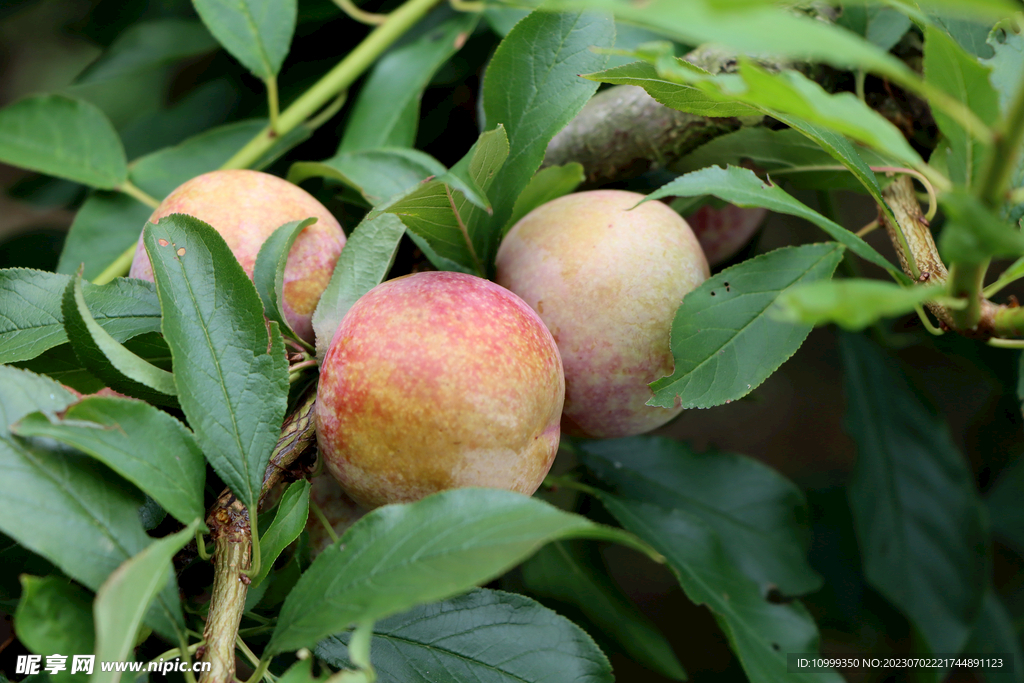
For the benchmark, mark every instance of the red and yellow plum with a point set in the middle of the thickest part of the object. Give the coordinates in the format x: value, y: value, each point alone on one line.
x: 723, y: 231
x: 435, y: 381
x: 607, y: 280
x: 245, y: 207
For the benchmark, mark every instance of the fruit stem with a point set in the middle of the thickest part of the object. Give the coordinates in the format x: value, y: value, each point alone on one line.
x: 138, y: 193
x: 467, y: 5
x: 118, y: 268
x: 254, y: 536
x: 260, y: 671
x: 360, y: 15
x: 335, y: 81
x: 273, y: 107
x: 1014, y: 272
x: 319, y: 514
x: 253, y: 659
x: 201, y: 547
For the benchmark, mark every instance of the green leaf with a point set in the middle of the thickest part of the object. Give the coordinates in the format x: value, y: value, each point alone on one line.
x: 970, y: 34
x: 994, y: 634
x: 975, y: 9
x: 792, y: 93
x: 106, y: 358
x: 268, y: 272
x: 502, y: 19
x: 61, y: 363
x: 54, y: 617
x: 759, y: 516
x: 789, y: 154
x: 548, y: 184
x: 950, y: 68
x: 363, y: 264
x: 299, y: 672
x: 400, y: 556
x: 973, y: 233
x: 881, y: 26
x: 31, y: 320
x: 754, y: 27
x: 148, y: 45
x: 1007, y: 63
x: 107, y: 224
x: 144, y: 445
x: 850, y: 303
x: 229, y: 364
x: 761, y: 633
x: 723, y: 341
x: 1003, y: 500
x: 62, y: 137
x: 290, y: 520
x: 532, y: 87
x: 920, y: 525
x: 256, y: 32
x: 70, y: 509
x: 572, y: 572
x: 122, y: 600
x: 104, y: 227
x: 162, y: 171
x: 376, y: 174
x: 484, y: 636
x: 26, y: 392
x: 741, y: 187
x: 387, y: 111
x: 771, y: 150
x: 679, y: 96
x: 442, y: 213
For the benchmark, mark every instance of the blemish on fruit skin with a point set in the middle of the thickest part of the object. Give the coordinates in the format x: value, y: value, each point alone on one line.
x: 181, y: 252
x: 162, y: 242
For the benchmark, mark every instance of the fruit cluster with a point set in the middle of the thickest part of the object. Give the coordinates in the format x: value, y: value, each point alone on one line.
x: 439, y: 380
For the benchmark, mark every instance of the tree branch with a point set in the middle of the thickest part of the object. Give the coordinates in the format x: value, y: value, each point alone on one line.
x: 623, y: 132
x: 232, y: 539
x: 993, y: 319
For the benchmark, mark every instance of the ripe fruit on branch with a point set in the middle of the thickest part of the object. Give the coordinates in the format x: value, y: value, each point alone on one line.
x: 246, y: 207
x: 607, y: 281
x: 434, y: 381
x: 722, y: 232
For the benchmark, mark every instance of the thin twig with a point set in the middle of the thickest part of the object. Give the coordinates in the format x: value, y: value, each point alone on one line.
x: 138, y: 193
x: 360, y: 15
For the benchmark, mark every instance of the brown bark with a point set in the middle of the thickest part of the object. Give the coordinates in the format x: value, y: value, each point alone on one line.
x: 902, y: 199
x: 229, y: 528
x: 623, y: 132
x: 232, y: 538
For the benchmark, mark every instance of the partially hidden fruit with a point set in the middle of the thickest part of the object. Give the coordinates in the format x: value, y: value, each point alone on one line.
x: 246, y: 207
x: 723, y: 231
x: 607, y: 281
x: 435, y: 381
